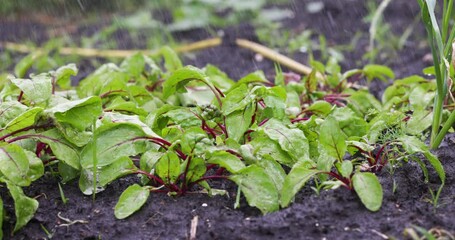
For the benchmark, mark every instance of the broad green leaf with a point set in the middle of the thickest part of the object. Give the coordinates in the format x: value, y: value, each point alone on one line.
x: 14, y: 164
x: 61, y: 148
x: 36, y: 167
x: 332, y: 139
x: 9, y: 111
x: 309, y: 128
x: 107, y: 78
x: 24, y: 120
x: 362, y: 102
x: 184, y: 117
x: 381, y: 72
x: 368, y: 189
x: 258, y: 188
x: 275, y: 100
x: 105, y: 175
x: 149, y: 159
x: 78, y: 113
x: 67, y: 172
x: 220, y: 79
x: 346, y: 168
x: 420, y: 121
x: 238, y: 122
x: 25, y: 63
x: 73, y: 135
x: 293, y: 141
x: 412, y: 144
x: 118, y: 104
x: 196, y: 169
x: 179, y: 78
x: 24, y: 206
x: 263, y: 145
x: 321, y: 108
x: 131, y: 200
x: 295, y: 180
x: 115, y: 117
x: 133, y: 65
x: 349, y: 122
x: 226, y: 160
x: 168, y: 167
x: 190, y: 138
x: 171, y: 59
x: 254, y: 77
x: 38, y: 89
x: 114, y: 141
x: 237, y: 99
x: 63, y: 75
x: 274, y: 170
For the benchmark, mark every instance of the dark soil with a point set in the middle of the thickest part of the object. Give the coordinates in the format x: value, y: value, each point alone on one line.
x: 336, y: 214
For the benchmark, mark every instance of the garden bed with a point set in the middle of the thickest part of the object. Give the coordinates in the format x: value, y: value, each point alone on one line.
x: 335, y: 214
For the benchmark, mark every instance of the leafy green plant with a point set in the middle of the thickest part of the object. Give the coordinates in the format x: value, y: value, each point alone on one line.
x: 441, y: 39
x: 181, y: 128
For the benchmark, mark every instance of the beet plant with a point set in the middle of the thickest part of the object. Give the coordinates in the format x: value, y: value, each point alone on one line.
x: 183, y: 128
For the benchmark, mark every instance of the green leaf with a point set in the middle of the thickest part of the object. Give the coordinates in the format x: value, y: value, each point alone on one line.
x: 61, y: 148
x: 349, y: 122
x: 274, y: 170
x: 78, y: 113
x: 114, y: 141
x: 226, y: 160
x: 25, y: 63
x: 9, y: 111
x: 258, y: 188
x: 190, y: 138
x: 168, y: 167
x: 321, y: 108
x: 63, y: 75
x: 38, y: 89
x: 149, y: 159
x: 295, y: 180
x: 105, y: 175
x: 368, y: 189
x: 346, y: 168
x: 196, y: 169
x: 238, y: 122
x: 171, y: 59
x: 381, y: 72
x: 182, y: 116
x: 133, y: 65
x: 67, y: 172
x: 24, y: 206
x: 263, y: 145
x: 332, y: 138
x: 14, y: 164
x: 292, y: 141
x: 177, y: 81
x: 131, y: 200
x: 237, y: 99
x: 24, y: 120
x: 36, y: 167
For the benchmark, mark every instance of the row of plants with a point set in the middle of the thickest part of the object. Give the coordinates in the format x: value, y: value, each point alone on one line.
x: 181, y: 128
x: 184, y: 127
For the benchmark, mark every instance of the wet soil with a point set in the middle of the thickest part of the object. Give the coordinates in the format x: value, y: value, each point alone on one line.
x: 336, y: 214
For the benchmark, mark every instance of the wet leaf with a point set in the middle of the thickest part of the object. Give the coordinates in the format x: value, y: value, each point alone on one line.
x: 38, y: 89
x: 238, y: 122
x: 226, y: 160
x: 368, y: 189
x: 24, y: 120
x: 131, y: 200
x: 179, y: 78
x: 24, y: 206
x: 14, y: 164
x: 63, y: 75
x: 332, y: 138
x: 292, y: 141
x: 168, y: 167
x: 78, y: 113
x: 258, y: 188
x: 114, y: 141
x: 295, y: 180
